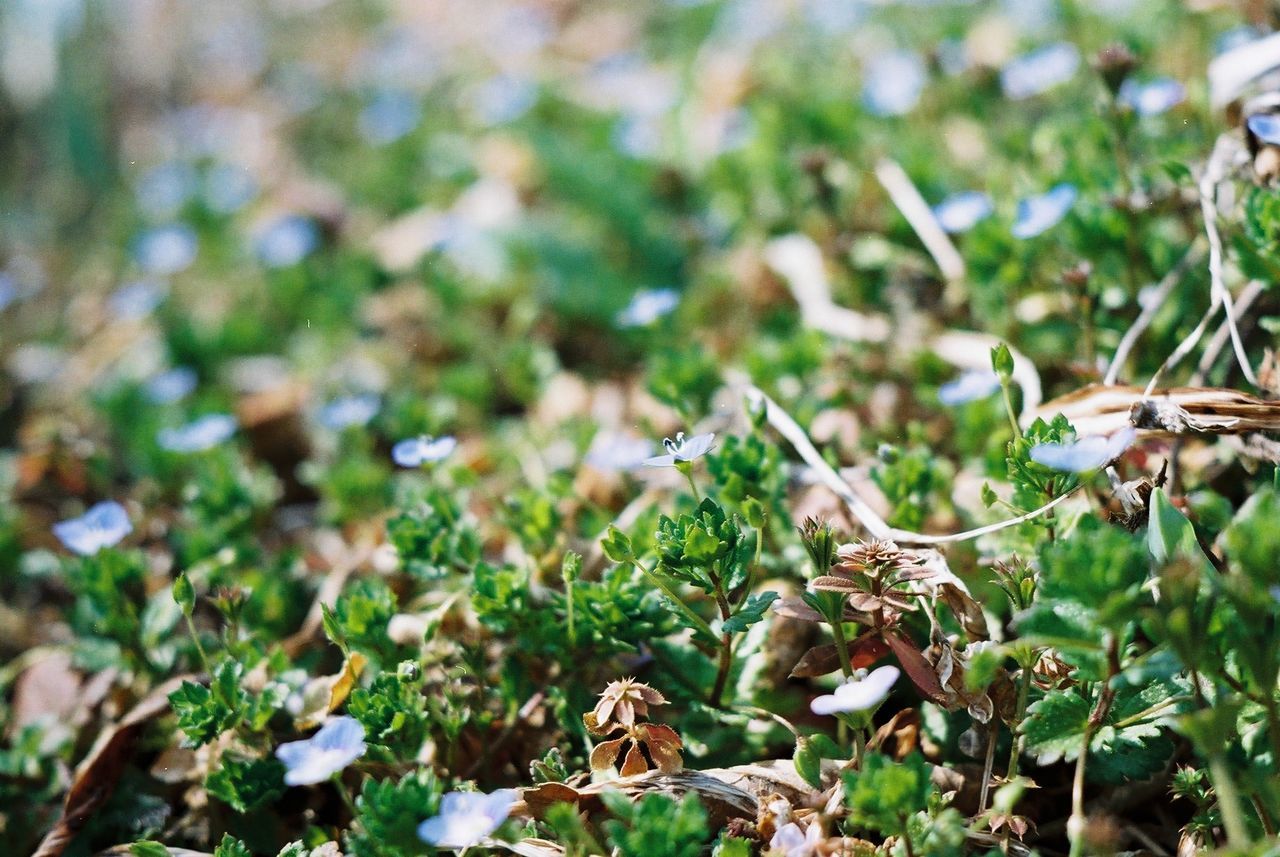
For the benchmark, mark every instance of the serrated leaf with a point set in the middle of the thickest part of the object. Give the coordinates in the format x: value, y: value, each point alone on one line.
x: 750, y: 612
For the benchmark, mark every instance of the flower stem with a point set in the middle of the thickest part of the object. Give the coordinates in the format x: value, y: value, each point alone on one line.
x: 687, y: 470
x: 195, y: 638
x: 1008, y: 407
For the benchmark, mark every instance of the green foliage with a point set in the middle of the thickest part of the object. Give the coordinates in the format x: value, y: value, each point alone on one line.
x: 204, y: 713
x: 231, y: 847
x: 1033, y: 483
x: 913, y: 480
x: 703, y: 547
x: 388, y: 813
x: 749, y: 467
x: 393, y: 711
x: 246, y: 784
x: 656, y: 825
x: 751, y: 612
x: 431, y: 534
x: 1132, y: 741
x: 884, y: 795
x: 359, y: 619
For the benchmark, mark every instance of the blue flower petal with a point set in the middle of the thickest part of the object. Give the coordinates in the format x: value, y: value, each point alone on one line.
x: 1266, y: 127
x: 1037, y: 214
x: 1152, y: 98
x: 102, y: 526
x: 962, y: 211
x: 1039, y: 71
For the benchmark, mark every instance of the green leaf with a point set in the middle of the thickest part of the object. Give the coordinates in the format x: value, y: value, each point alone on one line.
x: 750, y: 612
x: 885, y: 793
x: 204, y: 713
x: 617, y: 546
x: 1055, y: 725
x: 656, y: 825
x: 388, y: 813
x: 184, y: 594
x: 1170, y: 534
x: 230, y: 847
x: 148, y: 848
x: 246, y: 784
x: 808, y: 762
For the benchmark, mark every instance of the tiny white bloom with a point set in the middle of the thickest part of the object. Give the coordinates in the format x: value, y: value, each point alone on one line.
x: 680, y: 449
x: 793, y: 842
x: 1086, y: 453
x: 467, y: 817
x: 198, y: 435
x: 969, y: 387
x: 647, y: 306
x: 102, y: 526
x: 313, y: 760
x: 858, y: 694
x: 416, y: 451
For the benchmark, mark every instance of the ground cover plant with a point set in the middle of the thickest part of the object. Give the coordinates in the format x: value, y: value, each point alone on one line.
x: 723, y: 427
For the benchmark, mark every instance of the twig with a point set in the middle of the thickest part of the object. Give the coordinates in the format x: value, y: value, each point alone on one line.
x: 1152, y: 307
x: 797, y: 259
x: 1248, y: 295
x: 783, y: 423
x: 1214, y: 172
x: 920, y: 216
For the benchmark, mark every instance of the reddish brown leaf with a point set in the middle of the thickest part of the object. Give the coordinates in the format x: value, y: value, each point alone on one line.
x: 606, y: 753
x: 635, y: 763
x: 818, y: 661
x: 916, y: 666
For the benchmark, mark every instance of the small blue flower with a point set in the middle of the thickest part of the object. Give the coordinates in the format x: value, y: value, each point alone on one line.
x: 287, y: 241
x: 347, y: 411
x: 1266, y: 127
x: 1039, y: 71
x: 681, y: 450
x: 390, y: 115
x: 1152, y: 98
x: 198, y: 435
x: 466, y: 818
x: 1084, y: 454
x: 228, y: 188
x: 893, y: 83
x: 102, y: 526
x: 612, y: 452
x: 8, y: 290
x: 962, y: 211
x: 417, y: 451
x: 647, y: 306
x: 503, y: 99
x: 166, y: 250
x: 163, y: 190
x: 314, y: 760
x: 135, y: 300
x: 170, y: 386
x: 1037, y: 214
x: 969, y: 387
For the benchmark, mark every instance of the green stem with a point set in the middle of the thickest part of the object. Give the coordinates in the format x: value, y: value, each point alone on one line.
x: 1228, y: 803
x: 568, y: 594
x: 1019, y: 711
x: 1008, y: 408
x: 694, y: 619
x: 344, y: 794
x: 195, y: 638
x: 842, y: 646
x: 687, y: 469
x: 859, y: 747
